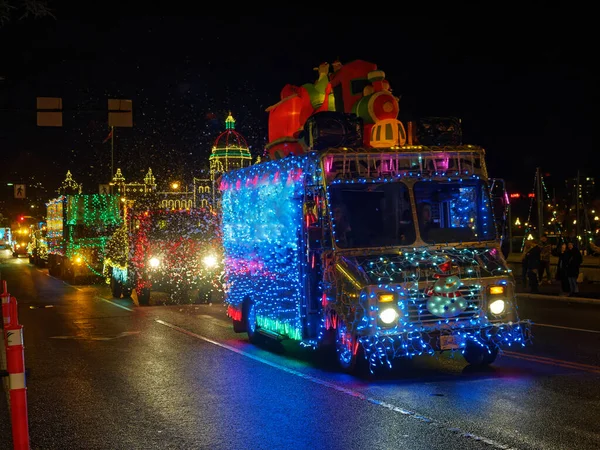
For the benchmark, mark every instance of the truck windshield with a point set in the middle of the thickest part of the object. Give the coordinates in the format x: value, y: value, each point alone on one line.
x: 454, y: 211
x: 371, y: 215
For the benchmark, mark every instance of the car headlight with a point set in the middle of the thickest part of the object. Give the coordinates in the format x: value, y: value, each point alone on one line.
x: 388, y: 315
x: 209, y: 261
x: 154, y: 262
x: 497, y: 307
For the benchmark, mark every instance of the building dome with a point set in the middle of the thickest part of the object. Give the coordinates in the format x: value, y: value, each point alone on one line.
x: 230, y: 148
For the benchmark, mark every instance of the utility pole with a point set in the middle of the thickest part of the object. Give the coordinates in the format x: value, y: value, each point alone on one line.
x: 577, y: 201
x: 540, y: 202
x: 112, y: 152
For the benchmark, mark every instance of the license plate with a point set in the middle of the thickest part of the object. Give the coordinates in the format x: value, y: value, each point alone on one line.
x: 450, y: 342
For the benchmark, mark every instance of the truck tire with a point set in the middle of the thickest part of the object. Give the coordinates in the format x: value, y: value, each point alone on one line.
x: 249, y: 318
x: 476, y: 355
x: 346, y: 348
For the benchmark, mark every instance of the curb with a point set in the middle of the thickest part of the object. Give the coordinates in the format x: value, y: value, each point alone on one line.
x: 589, y: 301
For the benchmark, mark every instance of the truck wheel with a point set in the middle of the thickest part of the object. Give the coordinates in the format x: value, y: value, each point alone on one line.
x: 346, y: 346
x: 116, y: 288
x: 249, y: 318
x: 144, y: 296
x: 476, y: 355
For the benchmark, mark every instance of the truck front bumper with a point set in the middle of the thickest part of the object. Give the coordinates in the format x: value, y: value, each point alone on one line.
x: 412, y: 343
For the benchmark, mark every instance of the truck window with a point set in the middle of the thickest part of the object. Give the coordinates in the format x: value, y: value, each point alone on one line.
x: 454, y: 212
x: 371, y: 215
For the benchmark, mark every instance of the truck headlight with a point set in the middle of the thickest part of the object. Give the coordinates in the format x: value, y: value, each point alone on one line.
x: 388, y: 315
x: 209, y: 261
x: 154, y: 262
x: 497, y: 307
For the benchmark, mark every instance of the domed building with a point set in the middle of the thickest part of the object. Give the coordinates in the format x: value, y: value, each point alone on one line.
x: 230, y: 151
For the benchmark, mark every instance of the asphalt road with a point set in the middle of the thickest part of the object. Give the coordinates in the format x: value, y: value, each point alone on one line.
x: 106, y: 374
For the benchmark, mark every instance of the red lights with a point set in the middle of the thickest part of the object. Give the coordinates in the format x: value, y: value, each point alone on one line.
x: 515, y: 195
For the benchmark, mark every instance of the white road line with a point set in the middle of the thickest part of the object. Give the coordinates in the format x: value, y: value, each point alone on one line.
x: 343, y: 390
x: 114, y: 304
x: 565, y: 328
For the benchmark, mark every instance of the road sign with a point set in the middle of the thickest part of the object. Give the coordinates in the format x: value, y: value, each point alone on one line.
x: 104, y: 189
x: 120, y: 113
x: 49, y: 112
x: 19, y: 191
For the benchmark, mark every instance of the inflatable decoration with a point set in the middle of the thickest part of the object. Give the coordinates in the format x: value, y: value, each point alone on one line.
x: 356, y: 90
x: 445, y: 299
x: 439, y: 131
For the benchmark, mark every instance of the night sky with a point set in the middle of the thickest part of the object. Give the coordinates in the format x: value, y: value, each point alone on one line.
x: 523, y: 85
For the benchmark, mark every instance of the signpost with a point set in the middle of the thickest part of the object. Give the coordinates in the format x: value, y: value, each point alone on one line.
x: 19, y: 191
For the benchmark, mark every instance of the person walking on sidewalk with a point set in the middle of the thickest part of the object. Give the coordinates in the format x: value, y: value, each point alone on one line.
x: 533, y: 266
x: 546, y: 250
x: 574, y: 260
x: 561, y: 268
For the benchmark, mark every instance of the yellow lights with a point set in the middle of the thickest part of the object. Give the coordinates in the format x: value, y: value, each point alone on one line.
x: 175, y: 185
x: 497, y: 307
x: 596, y: 218
x: 385, y: 298
x: 210, y: 261
x: 154, y: 262
x: 530, y: 237
x: 78, y: 260
x: 575, y: 221
x: 517, y: 222
x: 497, y: 290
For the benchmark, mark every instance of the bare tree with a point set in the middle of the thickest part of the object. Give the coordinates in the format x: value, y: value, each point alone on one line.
x: 22, y: 9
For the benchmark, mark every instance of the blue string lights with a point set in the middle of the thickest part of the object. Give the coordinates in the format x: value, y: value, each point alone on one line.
x: 392, y: 299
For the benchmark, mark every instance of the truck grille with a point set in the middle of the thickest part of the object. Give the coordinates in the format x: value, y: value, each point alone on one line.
x: 419, y: 314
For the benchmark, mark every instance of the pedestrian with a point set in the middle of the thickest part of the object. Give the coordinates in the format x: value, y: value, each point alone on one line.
x: 546, y: 250
x: 526, y: 248
x: 533, y: 266
x: 561, y: 268
x: 574, y: 260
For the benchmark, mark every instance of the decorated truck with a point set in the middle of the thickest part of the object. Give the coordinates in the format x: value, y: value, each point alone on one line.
x: 174, y: 251
x: 21, y: 231
x: 381, y: 250
x: 77, y: 229
x: 37, y: 249
x: 5, y: 237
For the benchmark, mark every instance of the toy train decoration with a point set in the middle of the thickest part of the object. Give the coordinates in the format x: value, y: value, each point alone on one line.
x: 351, y: 106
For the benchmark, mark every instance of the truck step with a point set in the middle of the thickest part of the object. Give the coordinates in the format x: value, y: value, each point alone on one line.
x: 271, y: 334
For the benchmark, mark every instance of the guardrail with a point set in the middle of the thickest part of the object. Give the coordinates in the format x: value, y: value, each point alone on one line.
x: 13, y: 368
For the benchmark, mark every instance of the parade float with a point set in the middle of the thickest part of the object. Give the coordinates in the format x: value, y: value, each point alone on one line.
x: 77, y: 229
x: 365, y: 237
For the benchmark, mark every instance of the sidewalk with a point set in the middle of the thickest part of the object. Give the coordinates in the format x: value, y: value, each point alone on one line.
x: 588, y: 292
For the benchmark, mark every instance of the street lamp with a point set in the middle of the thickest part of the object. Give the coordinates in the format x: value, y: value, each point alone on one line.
x: 175, y: 185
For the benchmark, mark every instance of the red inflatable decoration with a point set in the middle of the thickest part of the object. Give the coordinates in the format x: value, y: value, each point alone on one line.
x: 357, y: 87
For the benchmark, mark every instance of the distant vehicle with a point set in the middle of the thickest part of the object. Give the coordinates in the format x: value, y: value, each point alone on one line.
x: 37, y: 248
x: 5, y: 238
